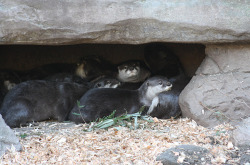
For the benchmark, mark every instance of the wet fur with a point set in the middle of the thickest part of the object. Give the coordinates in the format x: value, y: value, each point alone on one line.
x: 40, y: 100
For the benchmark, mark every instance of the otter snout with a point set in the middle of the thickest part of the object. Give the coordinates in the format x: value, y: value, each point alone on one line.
x: 168, y: 86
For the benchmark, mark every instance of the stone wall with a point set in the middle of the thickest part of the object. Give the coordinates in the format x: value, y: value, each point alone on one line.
x: 219, y: 92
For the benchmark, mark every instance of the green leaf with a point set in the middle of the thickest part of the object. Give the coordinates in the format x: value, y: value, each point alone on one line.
x: 136, y: 125
x: 105, y: 124
x: 78, y: 114
x: 123, y: 120
x: 23, y: 135
x: 147, y: 118
x: 142, y: 109
x: 79, y: 104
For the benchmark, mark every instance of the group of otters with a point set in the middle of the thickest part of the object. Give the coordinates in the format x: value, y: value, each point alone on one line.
x: 54, y: 91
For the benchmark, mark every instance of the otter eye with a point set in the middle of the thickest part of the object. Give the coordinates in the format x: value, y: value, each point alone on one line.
x: 160, y: 82
x: 168, y: 84
x: 98, y: 85
x: 125, y: 67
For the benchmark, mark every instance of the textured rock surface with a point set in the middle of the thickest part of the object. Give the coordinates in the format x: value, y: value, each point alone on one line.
x: 7, y: 138
x: 219, y: 92
x: 185, y: 154
x: 241, y: 135
x: 124, y: 21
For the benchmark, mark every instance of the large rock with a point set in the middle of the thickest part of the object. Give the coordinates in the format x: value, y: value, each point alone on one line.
x: 7, y: 138
x: 219, y: 92
x: 123, y: 21
x: 185, y: 154
x: 241, y: 135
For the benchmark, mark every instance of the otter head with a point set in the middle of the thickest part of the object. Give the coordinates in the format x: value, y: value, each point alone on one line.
x: 129, y: 71
x: 88, y: 68
x: 9, y: 85
x: 153, y: 86
x: 80, y: 69
x: 106, y: 83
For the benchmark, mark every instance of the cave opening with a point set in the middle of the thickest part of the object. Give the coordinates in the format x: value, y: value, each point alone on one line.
x: 26, y: 57
x: 22, y: 59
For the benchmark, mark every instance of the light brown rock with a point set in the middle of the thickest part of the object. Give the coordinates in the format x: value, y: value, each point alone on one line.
x: 125, y: 21
x: 219, y: 92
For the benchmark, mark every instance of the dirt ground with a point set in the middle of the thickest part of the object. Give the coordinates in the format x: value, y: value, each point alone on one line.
x: 67, y: 143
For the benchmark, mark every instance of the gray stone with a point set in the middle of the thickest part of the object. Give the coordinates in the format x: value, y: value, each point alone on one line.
x: 190, y: 155
x: 245, y: 159
x: 124, y: 21
x: 7, y: 138
x: 241, y: 135
x: 219, y: 92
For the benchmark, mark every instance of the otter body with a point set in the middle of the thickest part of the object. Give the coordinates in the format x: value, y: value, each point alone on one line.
x: 166, y: 104
x: 40, y: 100
x: 132, y: 71
x: 67, y: 77
x: 98, y: 103
x: 130, y: 86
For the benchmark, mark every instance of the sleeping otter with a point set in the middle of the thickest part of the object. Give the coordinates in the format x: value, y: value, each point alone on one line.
x: 39, y: 100
x: 98, y: 103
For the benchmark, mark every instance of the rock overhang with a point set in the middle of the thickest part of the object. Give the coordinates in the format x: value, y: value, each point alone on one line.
x: 124, y: 22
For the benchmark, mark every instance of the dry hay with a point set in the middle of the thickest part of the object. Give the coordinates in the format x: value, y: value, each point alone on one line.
x: 67, y: 143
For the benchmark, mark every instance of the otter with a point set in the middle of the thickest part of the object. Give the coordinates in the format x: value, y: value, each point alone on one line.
x: 5, y: 86
x: 162, y: 61
x: 38, y: 100
x: 132, y: 71
x: 166, y: 104
x: 8, y: 79
x: 105, y: 82
x: 92, y: 67
x: 97, y: 103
